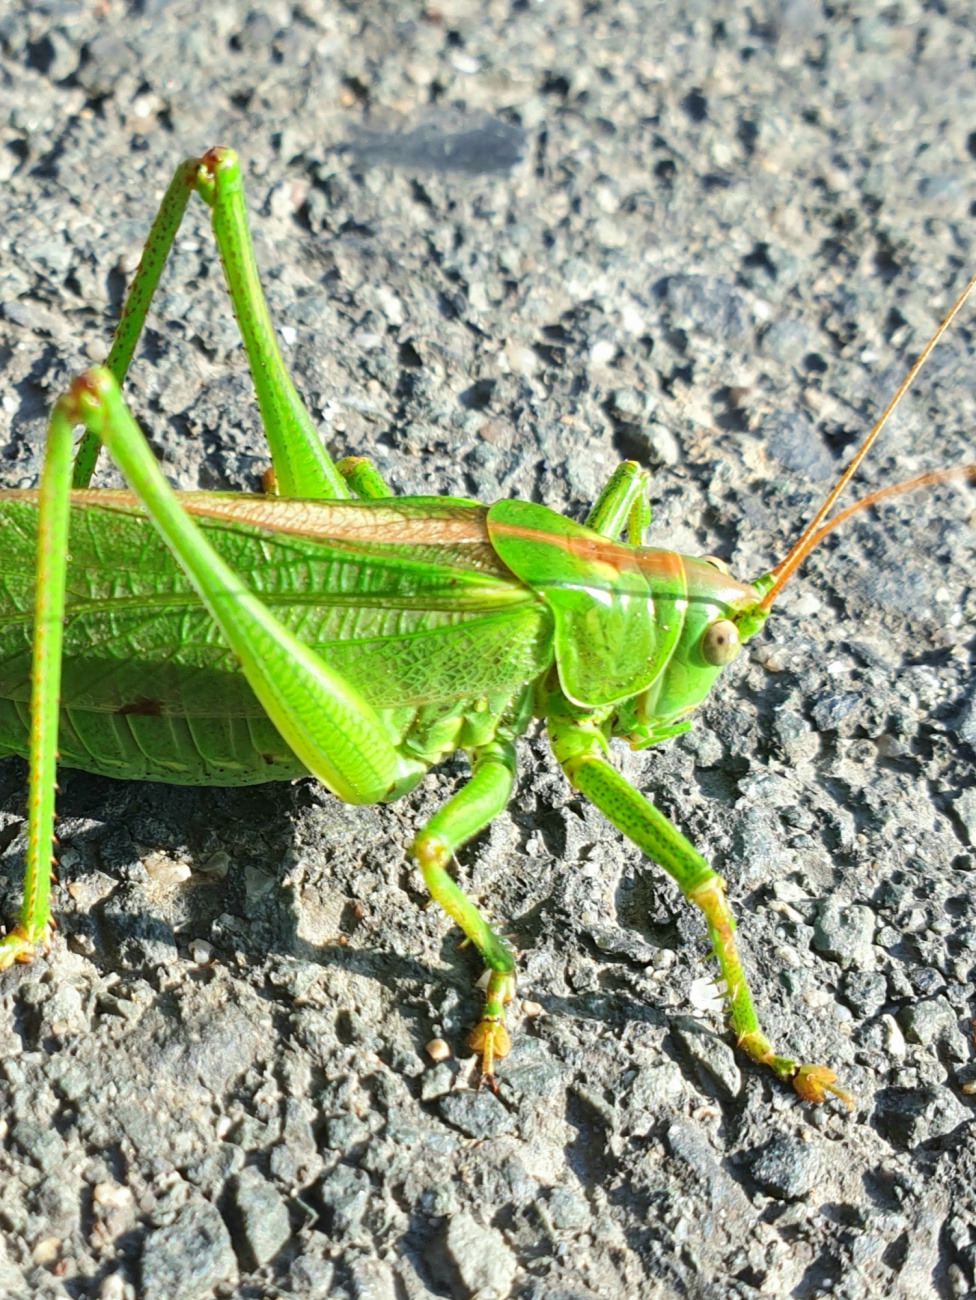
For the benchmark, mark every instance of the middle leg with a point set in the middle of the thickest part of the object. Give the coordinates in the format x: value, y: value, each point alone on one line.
x: 461, y: 818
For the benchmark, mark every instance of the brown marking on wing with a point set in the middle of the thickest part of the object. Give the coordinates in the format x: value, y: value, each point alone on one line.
x: 345, y: 521
x: 703, y: 580
x: 351, y: 521
x: 592, y: 550
x: 142, y: 709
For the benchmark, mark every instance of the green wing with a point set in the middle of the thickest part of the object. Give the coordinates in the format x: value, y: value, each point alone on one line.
x: 408, y: 624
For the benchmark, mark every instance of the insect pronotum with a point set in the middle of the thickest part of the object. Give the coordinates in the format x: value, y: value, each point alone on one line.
x: 333, y: 629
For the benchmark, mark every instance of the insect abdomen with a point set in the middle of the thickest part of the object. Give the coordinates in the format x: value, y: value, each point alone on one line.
x: 178, y: 751
x: 151, y: 691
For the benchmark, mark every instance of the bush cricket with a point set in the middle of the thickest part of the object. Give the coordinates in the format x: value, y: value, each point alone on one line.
x: 328, y: 627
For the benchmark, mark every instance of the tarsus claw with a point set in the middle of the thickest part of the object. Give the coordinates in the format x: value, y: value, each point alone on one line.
x: 813, y: 1082
x: 490, y: 1038
x: 18, y: 947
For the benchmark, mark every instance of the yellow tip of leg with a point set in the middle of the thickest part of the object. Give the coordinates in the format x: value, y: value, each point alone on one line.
x: 813, y: 1082
x: 491, y: 1039
x: 18, y: 947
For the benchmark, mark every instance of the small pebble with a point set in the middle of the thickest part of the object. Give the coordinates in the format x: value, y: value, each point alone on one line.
x: 844, y: 932
x: 713, y: 1058
x: 262, y: 1217
x: 705, y: 995
x: 165, y: 870
x: 217, y: 865
x: 894, y: 1038
x: 865, y: 991
x: 115, y: 1287
x: 46, y: 1251
x: 787, y: 1168
x: 111, y: 1196
x: 928, y: 1022
x: 483, y: 1259
x: 189, y: 1256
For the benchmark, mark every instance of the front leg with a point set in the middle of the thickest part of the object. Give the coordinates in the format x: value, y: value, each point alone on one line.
x: 579, y: 745
x: 463, y: 816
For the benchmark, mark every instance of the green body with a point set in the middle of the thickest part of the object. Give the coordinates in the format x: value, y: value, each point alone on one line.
x: 440, y: 639
x: 337, y: 631
x: 439, y: 636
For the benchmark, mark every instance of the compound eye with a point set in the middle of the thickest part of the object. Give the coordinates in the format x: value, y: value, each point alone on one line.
x: 716, y: 563
x: 720, y: 643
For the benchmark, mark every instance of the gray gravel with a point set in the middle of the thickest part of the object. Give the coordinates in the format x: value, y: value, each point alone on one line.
x: 508, y: 244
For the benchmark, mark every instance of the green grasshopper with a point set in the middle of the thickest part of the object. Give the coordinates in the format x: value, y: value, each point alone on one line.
x: 331, y: 629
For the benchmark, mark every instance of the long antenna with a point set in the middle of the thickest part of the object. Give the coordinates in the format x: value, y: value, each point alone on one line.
x: 815, y: 530
x: 928, y: 479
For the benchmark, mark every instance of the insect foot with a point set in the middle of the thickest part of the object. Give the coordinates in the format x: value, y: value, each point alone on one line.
x: 489, y: 1036
x: 813, y: 1082
x: 18, y: 946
